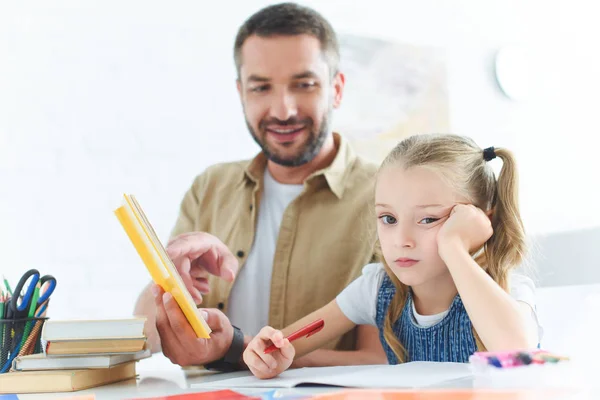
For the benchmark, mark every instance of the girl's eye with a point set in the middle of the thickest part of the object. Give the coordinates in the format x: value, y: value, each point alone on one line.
x: 428, y: 220
x: 388, y: 219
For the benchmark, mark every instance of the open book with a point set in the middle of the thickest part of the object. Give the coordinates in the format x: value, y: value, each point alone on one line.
x: 160, y: 266
x: 419, y: 374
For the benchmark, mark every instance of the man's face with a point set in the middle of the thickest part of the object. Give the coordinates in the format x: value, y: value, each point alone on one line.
x: 288, y: 96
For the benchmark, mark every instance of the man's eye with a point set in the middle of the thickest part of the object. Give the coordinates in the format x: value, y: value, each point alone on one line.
x: 306, y: 85
x: 258, y: 89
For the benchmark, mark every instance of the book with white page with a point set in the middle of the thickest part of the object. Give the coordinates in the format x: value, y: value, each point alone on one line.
x: 80, y: 329
x: 39, y: 362
x: 418, y: 374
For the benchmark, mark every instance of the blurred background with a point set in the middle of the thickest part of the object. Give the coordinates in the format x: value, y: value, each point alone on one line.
x: 99, y: 98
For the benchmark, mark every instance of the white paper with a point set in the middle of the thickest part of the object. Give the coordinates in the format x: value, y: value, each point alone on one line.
x: 410, y: 375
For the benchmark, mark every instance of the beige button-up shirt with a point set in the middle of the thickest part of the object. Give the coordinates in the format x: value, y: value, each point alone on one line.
x: 327, y: 233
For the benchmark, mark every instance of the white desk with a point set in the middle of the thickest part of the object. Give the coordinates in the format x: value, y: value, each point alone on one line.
x: 157, y: 376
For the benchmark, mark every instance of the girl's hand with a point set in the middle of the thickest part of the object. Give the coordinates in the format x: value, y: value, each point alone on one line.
x: 266, y: 366
x: 466, y: 229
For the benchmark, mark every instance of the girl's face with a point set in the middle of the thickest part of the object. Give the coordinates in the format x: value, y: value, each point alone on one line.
x: 411, y: 206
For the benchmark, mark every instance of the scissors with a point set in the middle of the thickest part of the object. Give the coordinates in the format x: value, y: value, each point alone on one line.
x: 21, y: 309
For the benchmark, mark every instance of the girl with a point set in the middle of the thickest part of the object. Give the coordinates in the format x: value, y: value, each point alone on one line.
x: 449, y: 234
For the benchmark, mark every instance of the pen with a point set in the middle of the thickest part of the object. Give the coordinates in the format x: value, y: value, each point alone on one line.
x: 41, y: 309
x: 307, y: 331
x: 7, y: 286
x: 31, y: 314
x: 2, y: 306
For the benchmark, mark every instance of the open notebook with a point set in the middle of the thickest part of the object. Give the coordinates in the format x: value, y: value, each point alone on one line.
x: 161, y: 268
x: 418, y: 374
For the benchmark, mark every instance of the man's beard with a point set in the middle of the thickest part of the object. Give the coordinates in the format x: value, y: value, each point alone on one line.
x: 309, y: 150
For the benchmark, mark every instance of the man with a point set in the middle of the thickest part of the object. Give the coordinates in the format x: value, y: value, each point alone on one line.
x: 297, y: 216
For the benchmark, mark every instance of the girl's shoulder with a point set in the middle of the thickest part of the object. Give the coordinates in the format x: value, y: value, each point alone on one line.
x: 375, y: 274
x: 358, y: 301
x: 374, y: 270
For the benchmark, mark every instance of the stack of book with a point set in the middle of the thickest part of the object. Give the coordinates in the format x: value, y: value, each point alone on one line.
x: 79, y: 354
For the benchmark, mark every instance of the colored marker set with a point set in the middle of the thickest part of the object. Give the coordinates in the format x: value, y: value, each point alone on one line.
x: 511, y: 359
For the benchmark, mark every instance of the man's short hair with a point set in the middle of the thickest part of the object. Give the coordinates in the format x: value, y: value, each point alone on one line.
x: 289, y: 19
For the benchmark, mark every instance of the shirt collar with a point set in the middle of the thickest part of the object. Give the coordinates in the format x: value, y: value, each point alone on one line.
x: 334, y: 174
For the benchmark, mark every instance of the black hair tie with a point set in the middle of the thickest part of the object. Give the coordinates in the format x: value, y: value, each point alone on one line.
x: 489, y: 154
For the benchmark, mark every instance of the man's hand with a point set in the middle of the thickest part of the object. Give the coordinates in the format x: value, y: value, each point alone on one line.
x: 178, y: 340
x: 198, y: 254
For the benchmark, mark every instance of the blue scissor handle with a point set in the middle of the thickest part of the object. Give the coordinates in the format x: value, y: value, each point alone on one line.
x: 51, y: 286
x: 35, y: 274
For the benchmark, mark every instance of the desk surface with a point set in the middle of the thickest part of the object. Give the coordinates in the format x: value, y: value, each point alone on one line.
x: 157, y: 376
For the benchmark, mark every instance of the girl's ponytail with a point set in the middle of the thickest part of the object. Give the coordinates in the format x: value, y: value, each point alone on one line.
x: 506, y: 248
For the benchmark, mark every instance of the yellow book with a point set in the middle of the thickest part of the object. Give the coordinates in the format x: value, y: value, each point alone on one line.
x: 64, y: 380
x: 160, y: 266
x: 95, y: 346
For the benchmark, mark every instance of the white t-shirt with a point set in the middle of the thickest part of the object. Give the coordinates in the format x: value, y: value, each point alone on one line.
x: 249, y: 299
x: 359, y: 300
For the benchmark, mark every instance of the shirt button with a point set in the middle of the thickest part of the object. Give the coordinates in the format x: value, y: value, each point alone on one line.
x: 220, y: 306
x: 240, y: 253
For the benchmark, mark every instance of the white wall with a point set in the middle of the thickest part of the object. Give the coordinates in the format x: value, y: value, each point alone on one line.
x: 101, y: 98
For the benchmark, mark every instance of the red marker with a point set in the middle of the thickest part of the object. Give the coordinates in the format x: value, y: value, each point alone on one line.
x: 307, y: 331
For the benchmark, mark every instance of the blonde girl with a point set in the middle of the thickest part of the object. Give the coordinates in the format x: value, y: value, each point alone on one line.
x: 449, y: 235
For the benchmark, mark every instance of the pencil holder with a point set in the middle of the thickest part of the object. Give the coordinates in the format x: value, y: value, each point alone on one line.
x: 19, y: 337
